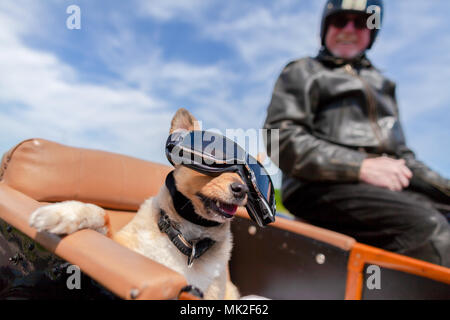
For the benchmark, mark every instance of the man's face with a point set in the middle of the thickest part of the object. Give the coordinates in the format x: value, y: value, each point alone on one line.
x: 347, y: 35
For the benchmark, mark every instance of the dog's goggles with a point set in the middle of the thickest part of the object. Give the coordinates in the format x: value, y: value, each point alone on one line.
x: 211, y: 153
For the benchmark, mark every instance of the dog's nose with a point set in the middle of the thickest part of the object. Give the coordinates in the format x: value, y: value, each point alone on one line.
x: 239, y: 190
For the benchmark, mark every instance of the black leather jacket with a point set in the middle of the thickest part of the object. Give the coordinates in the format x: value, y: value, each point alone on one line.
x: 331, y: 115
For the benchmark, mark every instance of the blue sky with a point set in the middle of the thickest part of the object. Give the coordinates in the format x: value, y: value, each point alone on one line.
x: 115, y: 83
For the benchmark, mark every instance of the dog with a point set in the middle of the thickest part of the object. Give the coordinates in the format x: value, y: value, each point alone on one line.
x: 214, y: 199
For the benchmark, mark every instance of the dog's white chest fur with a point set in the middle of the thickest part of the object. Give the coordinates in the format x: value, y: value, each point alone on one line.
x: 202, y: 272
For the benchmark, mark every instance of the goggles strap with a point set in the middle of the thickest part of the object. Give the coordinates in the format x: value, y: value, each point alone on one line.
x: 183, y: 206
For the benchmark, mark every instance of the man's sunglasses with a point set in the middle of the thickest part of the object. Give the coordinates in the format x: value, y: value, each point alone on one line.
x: 341, y: 20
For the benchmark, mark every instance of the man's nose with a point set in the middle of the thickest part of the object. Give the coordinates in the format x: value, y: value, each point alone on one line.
x: 350, y: 26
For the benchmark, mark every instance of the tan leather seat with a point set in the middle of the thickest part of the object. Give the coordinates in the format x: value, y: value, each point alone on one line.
x: 37, y: 171
x: 48, y: 171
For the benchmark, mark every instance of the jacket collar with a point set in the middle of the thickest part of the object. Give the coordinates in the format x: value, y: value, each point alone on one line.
x: 327, y: 58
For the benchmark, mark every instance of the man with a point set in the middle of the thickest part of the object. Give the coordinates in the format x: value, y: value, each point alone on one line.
x: 342, y: 151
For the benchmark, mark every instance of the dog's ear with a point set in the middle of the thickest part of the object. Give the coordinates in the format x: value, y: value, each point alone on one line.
x: 183, y: 119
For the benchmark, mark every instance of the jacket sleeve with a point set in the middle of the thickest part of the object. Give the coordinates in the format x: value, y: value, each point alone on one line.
x: 299, y: 153
x: 424, y: 180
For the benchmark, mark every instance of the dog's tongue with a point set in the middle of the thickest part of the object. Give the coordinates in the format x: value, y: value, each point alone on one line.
x: 229, y: 208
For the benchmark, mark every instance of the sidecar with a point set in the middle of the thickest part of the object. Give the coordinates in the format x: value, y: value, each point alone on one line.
x: 289, y: 259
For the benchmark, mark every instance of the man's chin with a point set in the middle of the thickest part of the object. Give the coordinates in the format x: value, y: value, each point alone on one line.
x: 346, y: 54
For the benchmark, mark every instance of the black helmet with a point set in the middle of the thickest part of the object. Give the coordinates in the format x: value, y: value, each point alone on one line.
x: 352, y: 6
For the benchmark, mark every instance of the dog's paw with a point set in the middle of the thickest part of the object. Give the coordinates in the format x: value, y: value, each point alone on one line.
x: 67, y: 217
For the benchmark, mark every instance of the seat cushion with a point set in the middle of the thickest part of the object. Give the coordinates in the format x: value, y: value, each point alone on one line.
x: 126, y: 273
x: 49, y: 172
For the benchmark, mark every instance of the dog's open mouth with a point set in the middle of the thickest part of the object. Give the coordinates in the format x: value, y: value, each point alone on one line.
x: 227, y: 210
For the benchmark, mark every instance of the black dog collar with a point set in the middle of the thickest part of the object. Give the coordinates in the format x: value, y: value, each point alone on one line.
x: 192, y: 249
x: 183, y: 206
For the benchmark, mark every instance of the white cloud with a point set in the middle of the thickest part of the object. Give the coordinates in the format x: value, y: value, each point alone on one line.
x: 262, y: 33
x: 178, y: 78
x: 264, y: 37
x: 171, y: 9
x: 41, y: 96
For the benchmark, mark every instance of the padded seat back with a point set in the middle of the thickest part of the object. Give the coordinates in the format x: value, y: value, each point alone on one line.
x: 49, y: 172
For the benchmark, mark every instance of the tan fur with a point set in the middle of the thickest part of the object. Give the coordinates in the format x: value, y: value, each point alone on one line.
x: 141, y: 234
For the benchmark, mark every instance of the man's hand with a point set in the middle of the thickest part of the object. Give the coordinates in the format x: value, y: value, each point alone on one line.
x: 385, y: 172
